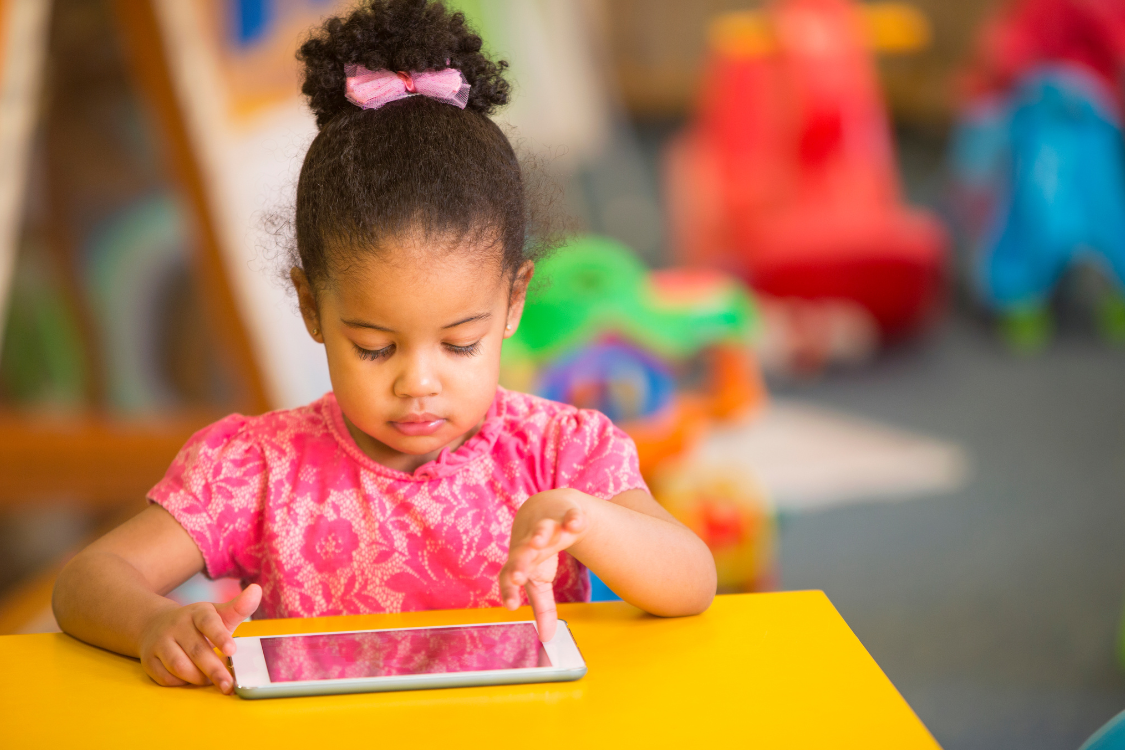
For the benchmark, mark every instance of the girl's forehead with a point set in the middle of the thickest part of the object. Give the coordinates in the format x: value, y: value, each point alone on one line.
x: 433, y: 291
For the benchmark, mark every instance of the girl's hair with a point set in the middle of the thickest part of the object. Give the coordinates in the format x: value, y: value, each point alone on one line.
x: 416, y: 168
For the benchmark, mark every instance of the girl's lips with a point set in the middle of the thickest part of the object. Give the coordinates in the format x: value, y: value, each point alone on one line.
x: 419, y: 427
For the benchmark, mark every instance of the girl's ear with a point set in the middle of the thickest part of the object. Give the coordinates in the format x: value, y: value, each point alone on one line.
x: 307, y: 300
x: 518, y: 297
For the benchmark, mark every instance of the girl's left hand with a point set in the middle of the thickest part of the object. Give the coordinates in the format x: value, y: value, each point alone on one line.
x: 544, y: 526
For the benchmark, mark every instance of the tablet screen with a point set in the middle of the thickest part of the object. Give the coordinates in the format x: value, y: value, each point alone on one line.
x: 402, y: 652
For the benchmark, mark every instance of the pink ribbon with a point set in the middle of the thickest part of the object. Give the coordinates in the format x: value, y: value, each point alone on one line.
x: 371, y: 89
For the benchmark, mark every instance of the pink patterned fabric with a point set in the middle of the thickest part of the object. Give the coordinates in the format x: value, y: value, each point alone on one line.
x: 371, y: 89
x: 289, y: 501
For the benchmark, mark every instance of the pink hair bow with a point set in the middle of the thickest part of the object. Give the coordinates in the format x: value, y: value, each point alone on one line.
x: 371, y: 89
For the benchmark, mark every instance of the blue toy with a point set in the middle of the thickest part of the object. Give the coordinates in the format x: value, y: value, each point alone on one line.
x: 620, y: 381
x: 1050, y: 166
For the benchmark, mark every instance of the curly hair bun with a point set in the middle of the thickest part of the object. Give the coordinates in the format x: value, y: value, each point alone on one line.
x: 409, y: 35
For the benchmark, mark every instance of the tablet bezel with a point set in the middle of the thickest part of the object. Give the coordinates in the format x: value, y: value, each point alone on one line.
x: 252, y: 677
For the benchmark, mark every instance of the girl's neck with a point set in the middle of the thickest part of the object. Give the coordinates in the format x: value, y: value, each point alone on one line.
x: 382, y: 454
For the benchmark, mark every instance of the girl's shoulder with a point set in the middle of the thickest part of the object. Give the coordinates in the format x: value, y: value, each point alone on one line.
x: 242, y: 451
x: 516, y: 406
x: 517, y: 409
x: 565, y: 446
x: 537, y: 418
x: 262, y: 434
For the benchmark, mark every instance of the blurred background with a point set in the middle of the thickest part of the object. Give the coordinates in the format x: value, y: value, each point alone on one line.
x: 850, y: 273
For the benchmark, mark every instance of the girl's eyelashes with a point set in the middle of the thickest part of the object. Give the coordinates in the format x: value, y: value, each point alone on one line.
x: 374, y: 354
x: 465, y: 351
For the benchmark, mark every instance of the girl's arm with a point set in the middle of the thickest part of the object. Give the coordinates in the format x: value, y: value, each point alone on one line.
x: 631, y: 542
x: 112, y: 595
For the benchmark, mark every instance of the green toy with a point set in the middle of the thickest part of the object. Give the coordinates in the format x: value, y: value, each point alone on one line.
x: 594, y: 288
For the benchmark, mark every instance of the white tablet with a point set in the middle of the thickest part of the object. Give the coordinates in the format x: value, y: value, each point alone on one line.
x: 363, y: 661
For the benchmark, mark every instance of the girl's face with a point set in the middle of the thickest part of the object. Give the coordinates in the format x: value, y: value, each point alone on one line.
x: 413, y: 343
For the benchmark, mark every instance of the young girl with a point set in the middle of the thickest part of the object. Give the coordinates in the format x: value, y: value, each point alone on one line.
x: 417, y: 483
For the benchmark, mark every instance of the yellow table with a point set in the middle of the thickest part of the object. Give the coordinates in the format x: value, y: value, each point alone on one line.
x: 756, y: 670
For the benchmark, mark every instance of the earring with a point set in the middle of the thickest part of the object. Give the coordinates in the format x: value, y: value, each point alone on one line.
x: 316, y: 332
x: 508, y: 327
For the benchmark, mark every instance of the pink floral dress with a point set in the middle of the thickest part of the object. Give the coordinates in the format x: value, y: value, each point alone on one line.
x: 289, y: 501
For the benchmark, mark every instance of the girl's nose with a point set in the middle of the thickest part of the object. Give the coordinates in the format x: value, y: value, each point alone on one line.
x: 417, y: 379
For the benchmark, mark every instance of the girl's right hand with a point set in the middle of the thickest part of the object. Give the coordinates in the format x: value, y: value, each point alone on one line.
x: 176, y: 645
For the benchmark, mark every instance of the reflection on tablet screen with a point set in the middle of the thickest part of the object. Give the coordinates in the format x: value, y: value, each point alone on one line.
x: 402, y: 652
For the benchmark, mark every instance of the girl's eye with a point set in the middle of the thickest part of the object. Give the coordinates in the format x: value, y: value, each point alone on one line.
x: 465, y: 351
x: 374, y: 354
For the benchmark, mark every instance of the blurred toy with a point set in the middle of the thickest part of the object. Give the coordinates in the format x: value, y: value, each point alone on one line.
x: 727, y: 509
x: 787, y: 175
x: 1059, y: 199
x: 618, y: 380
x: 600, y: 330
x: 1111, y: 736
x: 663, y: 354
x: 1038, y: 161
x: 1025, y: 34
x: 596, y: 287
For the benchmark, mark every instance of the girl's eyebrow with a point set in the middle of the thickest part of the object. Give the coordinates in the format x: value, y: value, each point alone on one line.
x: 470, y: 319
x: 364, y: 324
